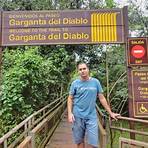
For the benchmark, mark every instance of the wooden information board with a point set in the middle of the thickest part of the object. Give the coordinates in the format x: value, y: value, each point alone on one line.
x: 63, y: 27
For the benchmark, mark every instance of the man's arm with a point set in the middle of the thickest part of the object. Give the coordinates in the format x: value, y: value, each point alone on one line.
x: 106, y: 106
x: 69, y: 108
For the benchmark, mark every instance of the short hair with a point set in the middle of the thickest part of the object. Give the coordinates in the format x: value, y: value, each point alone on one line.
x: 80, y: 63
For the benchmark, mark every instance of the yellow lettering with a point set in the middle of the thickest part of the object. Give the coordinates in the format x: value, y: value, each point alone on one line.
x: 137, y: 42
x: 54, y: 36
x: 54, y: 21
x: 140, y: 74
x: 75, y: 21
x: 27, y: 38
x: 26, y: 23
x: 77, y: 36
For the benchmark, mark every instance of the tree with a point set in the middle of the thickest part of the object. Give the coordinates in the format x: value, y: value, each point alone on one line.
x: 138, y: 21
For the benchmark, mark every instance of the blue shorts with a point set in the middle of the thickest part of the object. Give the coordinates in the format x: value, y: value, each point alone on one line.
x: 89, y: 127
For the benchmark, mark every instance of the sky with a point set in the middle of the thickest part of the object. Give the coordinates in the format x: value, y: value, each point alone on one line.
x: 139, y: 3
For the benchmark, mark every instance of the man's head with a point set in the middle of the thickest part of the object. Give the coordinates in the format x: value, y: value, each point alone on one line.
x: 83, y: 71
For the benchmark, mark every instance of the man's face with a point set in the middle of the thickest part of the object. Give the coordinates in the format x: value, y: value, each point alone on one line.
x: 83, y: 71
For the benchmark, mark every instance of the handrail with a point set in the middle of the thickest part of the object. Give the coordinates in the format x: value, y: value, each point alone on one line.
x: 30, y: 120
x: 47, y: 106
x: 132, y: 119
x: 102, y: 116
x: 130, y: 130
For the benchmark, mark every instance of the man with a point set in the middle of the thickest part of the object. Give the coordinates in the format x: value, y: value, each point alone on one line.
x: 81, y: 107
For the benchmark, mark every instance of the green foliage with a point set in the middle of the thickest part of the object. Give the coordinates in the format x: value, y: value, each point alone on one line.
x: 110, y: 3
x: 34, y: 76
x: 30, y: 80
x: 26, y: 5
x: 117, y: 79
x: 138, y: 19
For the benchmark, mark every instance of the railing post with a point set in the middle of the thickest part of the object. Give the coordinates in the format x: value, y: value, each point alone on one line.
x: 5, y: 143
x: 32, y: 120
x: 29, y: 123
x: 43, y: 112
x: 1, y: 145
x: 46, y: 128
x: 32, y: 134
x: 132, y: 126
x: 25, y: 128
x: 100, y: 143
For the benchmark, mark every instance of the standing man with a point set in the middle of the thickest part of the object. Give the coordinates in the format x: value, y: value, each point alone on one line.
x: 82, y: 107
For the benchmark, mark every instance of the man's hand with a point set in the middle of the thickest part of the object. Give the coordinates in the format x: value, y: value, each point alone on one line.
x: 71, y: 118
x: 114, y: 115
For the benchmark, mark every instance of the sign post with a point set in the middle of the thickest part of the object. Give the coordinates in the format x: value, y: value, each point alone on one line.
x: 137, y: 51
x: 0, y: 47
x: 138, y: 88
x: 137, y: 63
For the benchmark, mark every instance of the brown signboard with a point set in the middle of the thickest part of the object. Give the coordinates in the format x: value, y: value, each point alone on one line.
x: 138, y: 92
x: 137, y: 51
x: 64, y: 27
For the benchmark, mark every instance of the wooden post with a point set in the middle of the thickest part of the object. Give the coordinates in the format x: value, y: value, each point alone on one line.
x: 132, y: 126
x: 5, y: 143
x: 32, y: 134
x: 1, y: 145
x: 0, y: 65
x: 0, y: 49
x: 107, y: 74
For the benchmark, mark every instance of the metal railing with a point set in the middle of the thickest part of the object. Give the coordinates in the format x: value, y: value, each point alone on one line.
x: 36, y: 130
